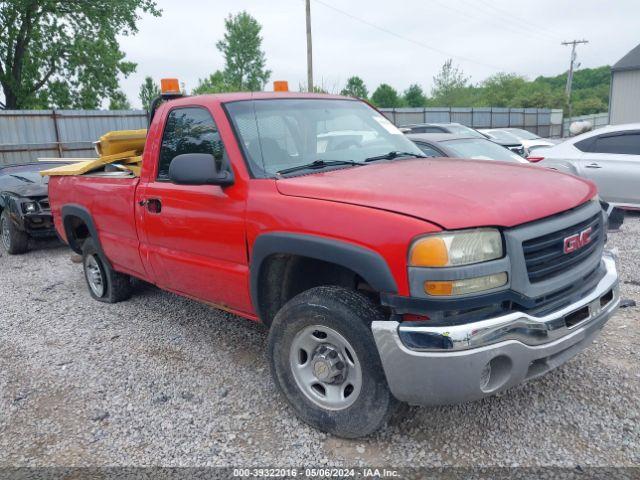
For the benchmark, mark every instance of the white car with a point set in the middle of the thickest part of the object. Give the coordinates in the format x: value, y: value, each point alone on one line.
x: 531, y: 141
x: 608, y: 156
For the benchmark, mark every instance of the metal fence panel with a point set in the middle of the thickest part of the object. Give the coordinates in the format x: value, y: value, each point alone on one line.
x: 437, y: 115
x: 462, y: 115
x: 481, y: 117
x: 543, y: 121
x: 26, y: 135
x: 408, y: 116
x: 516, y: 117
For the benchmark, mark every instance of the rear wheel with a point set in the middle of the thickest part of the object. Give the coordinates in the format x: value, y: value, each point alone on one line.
x: 325, y: 361
x: 105, y: 284
x: 14, y: 241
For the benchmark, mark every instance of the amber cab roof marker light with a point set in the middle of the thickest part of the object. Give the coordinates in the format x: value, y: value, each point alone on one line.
x: 170, y: 87
x: 280, y: 86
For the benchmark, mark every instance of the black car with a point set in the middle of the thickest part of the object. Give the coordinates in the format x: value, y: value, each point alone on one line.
x: 24, y: 206
x: 463, y: 146
x: 508, y: 141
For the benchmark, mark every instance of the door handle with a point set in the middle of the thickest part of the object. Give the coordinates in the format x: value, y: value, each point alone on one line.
x: 594, y: 165
x: 154, y: 205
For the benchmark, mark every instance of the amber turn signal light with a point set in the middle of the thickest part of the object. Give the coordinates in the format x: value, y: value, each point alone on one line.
x: 438, y: 288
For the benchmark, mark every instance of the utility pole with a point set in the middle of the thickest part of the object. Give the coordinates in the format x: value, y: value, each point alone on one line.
x: 567, y: 91
x: 309, y: 49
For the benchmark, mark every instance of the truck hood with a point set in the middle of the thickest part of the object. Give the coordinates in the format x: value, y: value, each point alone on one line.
x: 448, y: 192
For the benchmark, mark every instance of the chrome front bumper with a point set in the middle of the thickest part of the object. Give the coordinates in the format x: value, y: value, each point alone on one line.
x: 468, y: 362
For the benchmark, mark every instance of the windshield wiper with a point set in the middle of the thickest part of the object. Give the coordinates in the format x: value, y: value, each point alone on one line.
x: 317, y: 164
x: 394, y: 154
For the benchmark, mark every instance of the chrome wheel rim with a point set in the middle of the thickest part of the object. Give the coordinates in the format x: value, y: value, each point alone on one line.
x: 95, y: 277
x: 325, y: 367
x: 6, y: 236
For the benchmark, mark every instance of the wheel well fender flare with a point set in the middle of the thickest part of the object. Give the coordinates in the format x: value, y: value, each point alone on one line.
x: 72, y: 210
x: 366, y: 263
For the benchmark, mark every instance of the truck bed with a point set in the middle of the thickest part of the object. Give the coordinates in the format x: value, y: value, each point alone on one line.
x: 111, y: 203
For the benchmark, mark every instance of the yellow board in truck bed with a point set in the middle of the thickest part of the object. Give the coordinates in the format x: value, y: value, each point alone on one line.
x: 119, y: 141
x: 121, y: 147
x: 130, y: 158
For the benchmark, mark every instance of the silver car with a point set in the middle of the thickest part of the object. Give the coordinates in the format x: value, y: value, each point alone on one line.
x: 609, y: 156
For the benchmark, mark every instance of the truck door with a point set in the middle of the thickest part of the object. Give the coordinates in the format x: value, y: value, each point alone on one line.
x: 195, y: 234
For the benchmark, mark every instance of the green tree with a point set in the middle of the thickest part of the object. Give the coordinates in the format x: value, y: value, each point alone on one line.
x: 55, y: 53
x: 302, y: 87
x: 119, y: 101
x: 355, y: 87
x: 385, y: 96
x: 148, y: 91
x: 244, y: 59
x: 500, y: 89
x: 214, y: 83
x: 449, y: 80
x: 414, y: 96
x: 589, y: 105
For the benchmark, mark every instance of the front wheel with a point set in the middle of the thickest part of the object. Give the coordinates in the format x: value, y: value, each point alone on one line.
x: 14, y: 241
x: 325, y: 361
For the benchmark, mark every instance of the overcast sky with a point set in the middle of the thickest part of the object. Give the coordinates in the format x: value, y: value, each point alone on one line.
x: 398, y: 42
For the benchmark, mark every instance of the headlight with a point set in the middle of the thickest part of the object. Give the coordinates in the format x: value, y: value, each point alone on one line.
x: 451, y: 249
x: 29, y: 207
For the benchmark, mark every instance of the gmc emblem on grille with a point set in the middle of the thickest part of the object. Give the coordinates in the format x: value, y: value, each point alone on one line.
x: 577, y: 241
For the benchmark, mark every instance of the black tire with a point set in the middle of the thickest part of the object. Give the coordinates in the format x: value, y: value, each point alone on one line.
x: 116, y: 286
x: 615, y: 219
x: 14, y: 241
x: 350, y: 314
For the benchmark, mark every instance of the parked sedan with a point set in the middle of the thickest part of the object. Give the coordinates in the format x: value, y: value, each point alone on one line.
x: 506, y: 140
x: 531, y: 141
x: 24, y: 206
x: 609, y: 156
x: 455, y: 128
x: 462, y: 146
x: 459, y: 129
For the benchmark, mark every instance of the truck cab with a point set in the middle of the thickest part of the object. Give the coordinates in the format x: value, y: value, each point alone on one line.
x: 383, y: 276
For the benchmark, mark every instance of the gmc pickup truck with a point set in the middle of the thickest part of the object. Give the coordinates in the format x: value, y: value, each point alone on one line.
x: 383, y: 276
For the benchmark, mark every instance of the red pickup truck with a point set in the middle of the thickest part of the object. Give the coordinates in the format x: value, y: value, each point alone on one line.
x: 383, y: 276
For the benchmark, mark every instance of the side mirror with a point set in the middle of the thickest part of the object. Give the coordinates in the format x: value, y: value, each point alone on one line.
x: 198, y: 169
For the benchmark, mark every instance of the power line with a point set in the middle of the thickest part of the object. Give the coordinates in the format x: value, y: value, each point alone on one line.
x: 509, y: 26
x: 408, y: 39
x: 526, y: 22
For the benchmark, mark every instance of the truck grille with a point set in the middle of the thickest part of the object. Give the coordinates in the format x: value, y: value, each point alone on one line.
x: 545, y: 257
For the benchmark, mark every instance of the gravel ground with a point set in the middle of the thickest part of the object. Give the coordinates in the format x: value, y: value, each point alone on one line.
x: 161, y: 380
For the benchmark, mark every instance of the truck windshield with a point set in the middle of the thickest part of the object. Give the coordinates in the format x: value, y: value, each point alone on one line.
x: 283, y: 133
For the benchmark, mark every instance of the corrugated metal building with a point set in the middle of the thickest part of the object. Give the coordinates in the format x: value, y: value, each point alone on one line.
x: 624, y: 97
